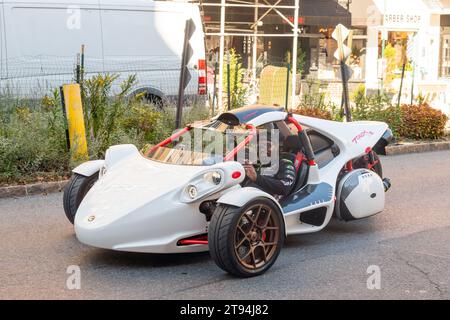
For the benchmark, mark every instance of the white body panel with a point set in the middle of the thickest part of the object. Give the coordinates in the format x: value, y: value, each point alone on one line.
x: 115, y: 154
x: 89, y: 168
x: 42, y: 38
x: 131, y: 212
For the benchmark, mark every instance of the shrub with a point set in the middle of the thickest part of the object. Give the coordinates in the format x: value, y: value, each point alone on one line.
x: 118, y: 119
x: 312, y: 103
x: 371, y: 107
x: 103, y: 111
x: 238, y: 91
x: 422, y: 122
x: 141, y: 119
x: 301, y: 60
x: 33, y: 146
x: 376, y: 107
x: 315, y: 113
x: 408, y: 121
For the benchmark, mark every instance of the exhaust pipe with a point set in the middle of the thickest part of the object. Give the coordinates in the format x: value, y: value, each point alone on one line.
x: 387, y: 184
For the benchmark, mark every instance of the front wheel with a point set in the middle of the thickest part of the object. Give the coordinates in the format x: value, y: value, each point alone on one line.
x: 246, y: 241
x: 74, y: 193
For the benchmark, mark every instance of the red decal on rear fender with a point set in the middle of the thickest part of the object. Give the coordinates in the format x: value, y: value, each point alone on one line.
x: 362, y: 135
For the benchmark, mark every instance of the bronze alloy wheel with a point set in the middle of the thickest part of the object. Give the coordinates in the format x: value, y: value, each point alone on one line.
x: 246, y: 241
x: 256, y: 237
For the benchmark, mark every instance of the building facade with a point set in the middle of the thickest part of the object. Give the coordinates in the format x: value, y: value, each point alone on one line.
x: 411, y: 36
x: 316, y: 20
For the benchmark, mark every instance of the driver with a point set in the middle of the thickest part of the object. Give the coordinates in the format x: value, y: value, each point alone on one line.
x: 279, y: 184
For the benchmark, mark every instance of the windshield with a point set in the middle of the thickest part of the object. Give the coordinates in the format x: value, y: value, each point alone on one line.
x: 201, y: 144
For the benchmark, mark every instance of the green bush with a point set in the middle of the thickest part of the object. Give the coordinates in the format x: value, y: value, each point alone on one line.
x: 312, y: 103
x: 301, y: 60
x: 33, y: 146
x: 315, y: 113
x: 103, y: 111
x: 376, y: 107
x: 408, y: 121
x: 238, y: 91
x: 372, y: 107
x: 422, y: 122
x: 412, y: 122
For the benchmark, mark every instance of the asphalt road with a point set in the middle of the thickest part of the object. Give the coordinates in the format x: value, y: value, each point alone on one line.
x: 409, y: 242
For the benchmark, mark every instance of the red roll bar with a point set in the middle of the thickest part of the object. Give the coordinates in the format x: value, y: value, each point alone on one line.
x: 228, y: 157
x: 304, y: 139
x: 241, y: 145
x: 172, y: 138
x: 292, y: 120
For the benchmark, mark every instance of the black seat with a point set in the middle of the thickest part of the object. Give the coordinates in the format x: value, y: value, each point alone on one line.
x: 302, y: 177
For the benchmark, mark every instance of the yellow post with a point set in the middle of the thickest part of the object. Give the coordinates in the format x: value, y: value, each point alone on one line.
x: 75, y: 120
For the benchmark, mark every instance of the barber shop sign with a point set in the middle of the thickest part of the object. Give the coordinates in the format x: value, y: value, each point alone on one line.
x: 402, y: 20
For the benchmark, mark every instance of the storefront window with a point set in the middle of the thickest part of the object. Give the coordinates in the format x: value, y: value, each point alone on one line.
x: 395, y: 51
x: 445, y: 60
x: 358, y: 57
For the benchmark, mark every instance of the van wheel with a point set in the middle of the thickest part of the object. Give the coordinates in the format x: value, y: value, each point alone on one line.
x: 246, y: 242
x: 154, y: 100
x: 75, y: 191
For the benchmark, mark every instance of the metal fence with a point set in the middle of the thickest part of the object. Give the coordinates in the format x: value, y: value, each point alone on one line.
x: 33, y: 77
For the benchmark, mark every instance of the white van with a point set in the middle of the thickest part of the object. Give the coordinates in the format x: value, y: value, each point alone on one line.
x: 40, y: 40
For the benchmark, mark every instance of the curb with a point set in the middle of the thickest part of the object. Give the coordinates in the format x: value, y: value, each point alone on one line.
x: 32, y: 189
x: 417, y: 148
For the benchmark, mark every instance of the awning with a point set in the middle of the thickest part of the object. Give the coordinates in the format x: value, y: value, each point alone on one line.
x: 324, y: 13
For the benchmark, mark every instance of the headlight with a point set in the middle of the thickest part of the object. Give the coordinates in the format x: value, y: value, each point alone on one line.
x: 192, y: 192
x: 203, y: 185
x: 213, y: 177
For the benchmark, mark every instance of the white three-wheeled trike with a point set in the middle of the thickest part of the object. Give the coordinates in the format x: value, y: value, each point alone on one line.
x: 168, y: 199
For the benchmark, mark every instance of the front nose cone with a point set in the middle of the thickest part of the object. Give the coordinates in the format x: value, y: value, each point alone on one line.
x: 90, y: 232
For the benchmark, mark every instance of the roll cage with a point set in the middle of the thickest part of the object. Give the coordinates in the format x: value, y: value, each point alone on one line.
x: 251, y: 134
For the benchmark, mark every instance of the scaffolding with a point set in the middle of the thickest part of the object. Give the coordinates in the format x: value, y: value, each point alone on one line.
x: 262, y: 8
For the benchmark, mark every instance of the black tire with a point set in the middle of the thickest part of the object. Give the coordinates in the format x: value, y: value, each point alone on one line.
x: 154, y: 100
x: 223, y: 234
x: 74, y: 193
x: 363, y: 162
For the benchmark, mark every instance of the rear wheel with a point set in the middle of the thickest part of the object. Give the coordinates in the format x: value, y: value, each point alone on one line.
x: 74, y: 193
x: 246, y: 241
